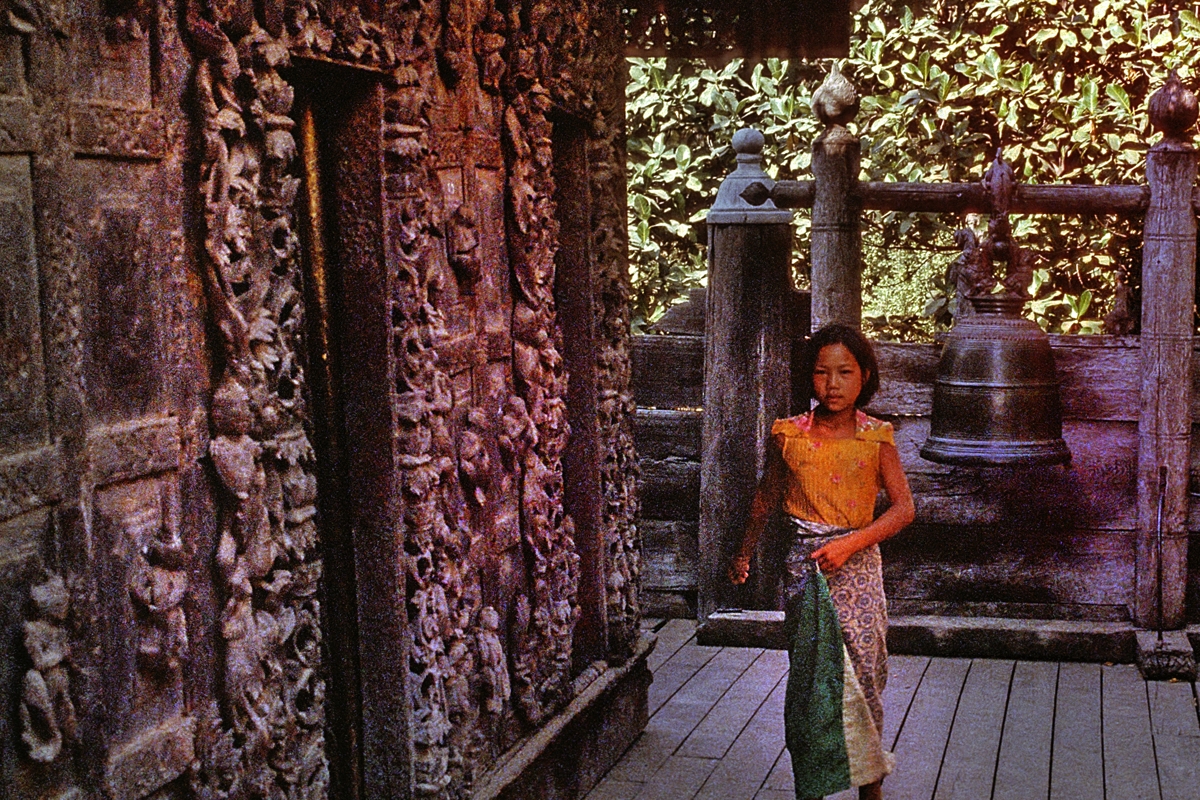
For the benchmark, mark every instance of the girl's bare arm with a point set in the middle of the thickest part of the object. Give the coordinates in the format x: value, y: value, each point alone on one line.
x: 899, y: 514
x: 767, y: 500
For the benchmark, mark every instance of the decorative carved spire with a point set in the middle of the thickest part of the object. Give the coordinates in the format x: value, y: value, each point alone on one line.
x: 1173, y: 109
x: 1001, y: 184
x: 835, y: 102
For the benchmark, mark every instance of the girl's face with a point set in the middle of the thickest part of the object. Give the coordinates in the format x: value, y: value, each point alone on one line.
x: 837, y: 378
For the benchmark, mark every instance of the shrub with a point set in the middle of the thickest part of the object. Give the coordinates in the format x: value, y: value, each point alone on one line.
x: 1059, y: 87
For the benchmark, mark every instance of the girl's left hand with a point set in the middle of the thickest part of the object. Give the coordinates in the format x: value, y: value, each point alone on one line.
x: 832, y: 556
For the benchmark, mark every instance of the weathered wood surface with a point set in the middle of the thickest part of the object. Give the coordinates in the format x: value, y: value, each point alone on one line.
x: 747, y: 364
x: 1099, y: 375
x: 1095, y: 491
x: 969, y: 768
x: 1176, y: 730
x: 1129, y: 746
x: 669, y: 553
x: 1007, y: 560
x: 1065, y: 550
x: 1077, y: 765
x: 1023, y: 763
x: 670, y: 490
x: 836, y: 244
x: 668, y: 371
x: 926, y: 730
x: 972, y: 728
x: 1164, y: 425
x: 666, y: 433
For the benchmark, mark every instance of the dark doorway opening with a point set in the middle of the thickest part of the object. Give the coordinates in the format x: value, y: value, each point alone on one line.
x: 339, y: 113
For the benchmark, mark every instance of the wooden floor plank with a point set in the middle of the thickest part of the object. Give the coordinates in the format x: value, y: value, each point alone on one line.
x: 1066, y: 731
x: 970, y: 760
x: 613, y: 789
x: 1076, y: 761
x: 1129, y: 768
x: 775, y: 794
x: 678, y: 779
x: 1023, y: 763
x: 717, y: 732
x: 1176, y: 731
x: 780, y: 778
x: 671, y: 676
x: 749, y: 761
x: 675, y: 720
x: 926, y: 730
x: 904, y: 673
x: 672, y: 636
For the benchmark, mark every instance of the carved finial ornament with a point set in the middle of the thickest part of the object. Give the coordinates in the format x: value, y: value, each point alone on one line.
x: 1173, y: 109
x: 835, y: 102
x: 748, y: 142
x: 1001, y: 184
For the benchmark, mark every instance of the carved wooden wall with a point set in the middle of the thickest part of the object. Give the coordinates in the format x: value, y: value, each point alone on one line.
x: 166, y: 559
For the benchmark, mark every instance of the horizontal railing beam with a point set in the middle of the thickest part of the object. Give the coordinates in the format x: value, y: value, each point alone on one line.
x: 970, y: 197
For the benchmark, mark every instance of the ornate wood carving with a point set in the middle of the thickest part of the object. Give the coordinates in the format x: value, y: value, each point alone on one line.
x: 141, y: 636
x: 270, y: 735
x: 479, y: 386
x: 615, y: 404
x: 443, y: 586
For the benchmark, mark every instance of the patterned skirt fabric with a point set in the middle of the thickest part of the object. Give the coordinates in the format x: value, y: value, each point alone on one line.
x: 837, y: 627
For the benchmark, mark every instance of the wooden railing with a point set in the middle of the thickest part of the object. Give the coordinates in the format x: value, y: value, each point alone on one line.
x: 745, y: 352
x: 966, y: 198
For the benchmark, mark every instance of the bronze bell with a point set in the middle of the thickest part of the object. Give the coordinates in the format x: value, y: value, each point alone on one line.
x: 995, y: 400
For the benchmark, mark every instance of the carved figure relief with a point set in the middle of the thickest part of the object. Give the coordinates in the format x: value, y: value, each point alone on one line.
x: 46, y: 713
x: 615, y: 405
x: 158, y: 585
x: 462, y: 242
x: 495, y: 665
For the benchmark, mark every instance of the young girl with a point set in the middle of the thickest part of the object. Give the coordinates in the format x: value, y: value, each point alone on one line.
x: 825, y: 469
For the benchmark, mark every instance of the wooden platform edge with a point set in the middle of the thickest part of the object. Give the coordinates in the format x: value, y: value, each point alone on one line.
x: 565, y: 759
x: 956, y: 637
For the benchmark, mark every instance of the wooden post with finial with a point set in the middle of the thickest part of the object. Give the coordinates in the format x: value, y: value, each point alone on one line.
x: 836, y: 243
x: 747, y: 350
x: 1168, y: 298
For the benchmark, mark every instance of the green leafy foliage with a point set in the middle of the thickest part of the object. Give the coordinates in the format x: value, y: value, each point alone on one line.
x: 1059, y: 87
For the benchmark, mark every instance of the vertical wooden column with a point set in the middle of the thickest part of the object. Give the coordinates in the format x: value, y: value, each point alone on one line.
x: 746, y: 362
x: 574, y: 295
x: 836, y: 243
x: 1168, y: 296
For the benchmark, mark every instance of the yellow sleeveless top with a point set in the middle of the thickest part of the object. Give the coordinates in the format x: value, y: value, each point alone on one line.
x: 834, y: 481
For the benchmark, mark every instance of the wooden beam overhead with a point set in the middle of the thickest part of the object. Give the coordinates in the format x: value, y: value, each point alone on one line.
x: 719, y: 30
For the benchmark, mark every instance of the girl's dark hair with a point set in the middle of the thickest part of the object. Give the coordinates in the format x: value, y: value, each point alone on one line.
x: 859, y: 347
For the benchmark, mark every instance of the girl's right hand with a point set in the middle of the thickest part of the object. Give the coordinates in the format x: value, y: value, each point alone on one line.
x: 739, y: 569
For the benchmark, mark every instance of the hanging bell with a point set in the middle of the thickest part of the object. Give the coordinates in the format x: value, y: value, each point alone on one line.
x: 995, y: 400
